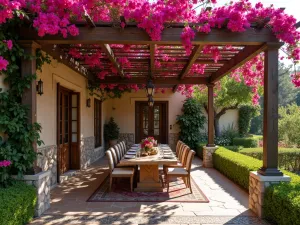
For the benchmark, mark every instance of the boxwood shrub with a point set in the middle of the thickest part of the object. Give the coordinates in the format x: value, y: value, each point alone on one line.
x: 235, y: 165
x: 281, y: 202
x: 288, y: 158
x: 17, y: 204
x: 247, y: 142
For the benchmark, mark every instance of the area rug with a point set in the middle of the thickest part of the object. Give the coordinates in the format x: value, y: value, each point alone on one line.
x: 121, y: 193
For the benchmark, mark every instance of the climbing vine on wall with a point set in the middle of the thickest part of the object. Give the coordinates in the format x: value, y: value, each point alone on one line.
x: 17, y: 135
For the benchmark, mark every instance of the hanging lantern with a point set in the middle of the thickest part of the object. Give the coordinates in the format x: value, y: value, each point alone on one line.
x: 150, y: 88
x: 150, y: 101
x: 40, y: 87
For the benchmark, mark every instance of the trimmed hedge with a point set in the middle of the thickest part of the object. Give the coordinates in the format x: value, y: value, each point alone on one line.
x: 17, y: 204
x: 281, y: 202
x: 247, y: 142
x: 234, y: 148
x: 235, y: 165
x: 199, y: 149
x: 288, y: 158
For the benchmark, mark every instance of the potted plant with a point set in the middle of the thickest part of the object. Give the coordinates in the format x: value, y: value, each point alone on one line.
x: 111, y: 132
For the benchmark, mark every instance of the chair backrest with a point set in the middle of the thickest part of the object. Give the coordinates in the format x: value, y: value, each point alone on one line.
x: 189, y: 160
x: 124, y: 148
x: 186, y: 150
x: 118, y: 151
x: 110, y: 160
x: 183, y: 146
x: 114, y: 155
x: 178, y: 146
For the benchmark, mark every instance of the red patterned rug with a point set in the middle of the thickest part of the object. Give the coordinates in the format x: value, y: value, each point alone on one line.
x: 121, y: 193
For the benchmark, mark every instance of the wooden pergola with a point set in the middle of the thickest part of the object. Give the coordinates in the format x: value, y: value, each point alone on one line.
x: 141, y: 54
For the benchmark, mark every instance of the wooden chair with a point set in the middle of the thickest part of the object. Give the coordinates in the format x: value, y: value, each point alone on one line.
x: 182, y: 162
x: 178, y: 147
x: 117, y: 147
x: 114, y: 155
x: 119, y: 172
x: 185, y: 173
x: 124, y: 148
x: 180, y: 153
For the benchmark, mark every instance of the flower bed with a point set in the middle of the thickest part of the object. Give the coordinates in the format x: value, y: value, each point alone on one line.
x: 288, y: 158
x: 17, y: 204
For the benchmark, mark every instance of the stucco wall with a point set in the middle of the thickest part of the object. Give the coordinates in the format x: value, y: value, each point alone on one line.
x: 123, y: 109
x: 228, y: 119
x: 46, y: 104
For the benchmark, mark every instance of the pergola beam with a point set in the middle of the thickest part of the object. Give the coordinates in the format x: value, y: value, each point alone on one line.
x: 157, y: 80
x: 111, y: 56
x: 137, y: 36
x: 297, y: 25
x: 56, y: 53
x: 246, y: 54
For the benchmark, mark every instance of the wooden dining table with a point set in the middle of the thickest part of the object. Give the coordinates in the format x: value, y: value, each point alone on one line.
x: 149, y: 167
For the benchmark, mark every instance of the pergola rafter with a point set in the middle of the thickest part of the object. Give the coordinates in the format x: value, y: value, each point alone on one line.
x: 246, y: 54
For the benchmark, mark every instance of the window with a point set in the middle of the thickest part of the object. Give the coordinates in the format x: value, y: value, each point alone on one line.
x: 97, y: 122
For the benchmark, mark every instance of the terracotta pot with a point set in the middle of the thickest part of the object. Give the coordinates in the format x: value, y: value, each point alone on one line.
x: 112, y: 142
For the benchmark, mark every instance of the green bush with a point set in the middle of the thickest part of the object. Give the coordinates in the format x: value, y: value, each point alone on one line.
x: 235, y: 165
x: 17, y: 204
x: 289, y: 125
x: 248, y: 142
x: 199, y: 149
x: 246, y: 113
x: 234, y: 148
x: 282, y: 202
x: 288, y: 158
x: 191, y: 122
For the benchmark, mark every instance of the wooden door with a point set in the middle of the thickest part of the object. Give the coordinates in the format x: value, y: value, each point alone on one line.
x: 68, y: 130
x: 152, y: 121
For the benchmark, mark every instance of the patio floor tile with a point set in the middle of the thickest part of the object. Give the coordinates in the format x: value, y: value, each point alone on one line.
x: 228, y: 203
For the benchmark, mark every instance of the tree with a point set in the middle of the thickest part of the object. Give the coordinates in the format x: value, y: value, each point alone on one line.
x: 191, y: 122
x: 230, y: 95
x: 287, y: 91
x: 289, y: 125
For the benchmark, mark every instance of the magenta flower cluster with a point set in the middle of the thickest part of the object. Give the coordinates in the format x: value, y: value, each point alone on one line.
x: 5, y: 163
x: 56, y: 17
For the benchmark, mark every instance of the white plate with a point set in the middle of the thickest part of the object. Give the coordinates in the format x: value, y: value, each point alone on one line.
x: 130, y: 153
x: 129, y: 156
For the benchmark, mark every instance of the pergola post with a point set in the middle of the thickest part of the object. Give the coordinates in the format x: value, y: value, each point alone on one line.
x: 40, y: 180
x: 28, y: 67
x: 270, y: 127
x: 210, y: 148
x: 210, y: 124
x: 269, y: 172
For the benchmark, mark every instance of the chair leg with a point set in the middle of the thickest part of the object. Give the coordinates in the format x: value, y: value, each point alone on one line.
x: 168, y: 184
x: 190, y: 186
x: 131, y: 183
x: 110, y: 183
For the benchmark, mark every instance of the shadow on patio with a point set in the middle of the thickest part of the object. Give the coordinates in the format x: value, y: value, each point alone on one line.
x: 228, y: 202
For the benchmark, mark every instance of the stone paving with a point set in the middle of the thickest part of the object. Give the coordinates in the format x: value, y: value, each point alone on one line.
x: 228, y: 203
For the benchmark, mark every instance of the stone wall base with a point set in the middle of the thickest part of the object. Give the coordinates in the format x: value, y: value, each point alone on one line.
x: 208, y: 156
x: 257, y: 185
x: 41, y: 182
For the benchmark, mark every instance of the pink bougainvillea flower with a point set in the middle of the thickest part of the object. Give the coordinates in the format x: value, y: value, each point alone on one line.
x: 5, y: 163
x: 3, y: 63
x: 9, y: 44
